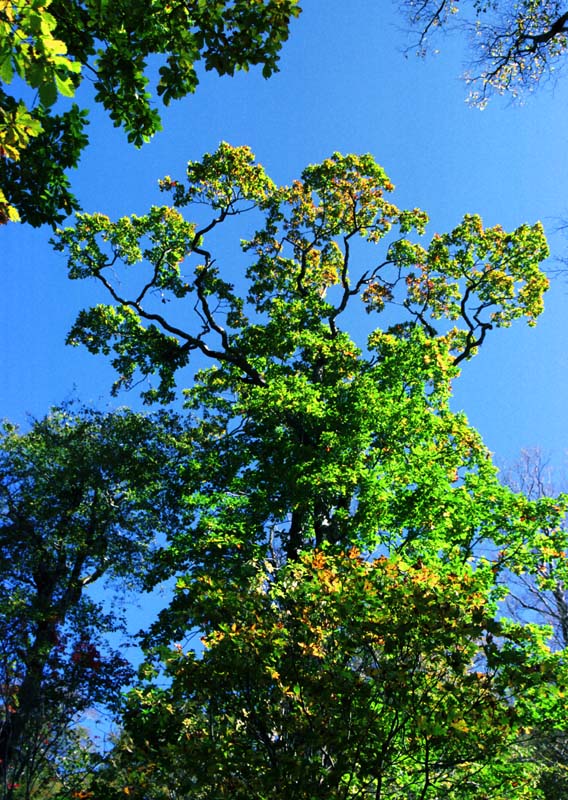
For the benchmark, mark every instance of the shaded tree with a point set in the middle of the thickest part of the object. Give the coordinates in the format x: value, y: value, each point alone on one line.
x: 546, y: 600
x: 83, y: 498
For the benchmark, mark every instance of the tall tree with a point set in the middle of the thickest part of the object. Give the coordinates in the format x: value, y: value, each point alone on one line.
x: 516, y: 45
x: 83, y: 497
x: 52, y: 45
x: 349, y: 531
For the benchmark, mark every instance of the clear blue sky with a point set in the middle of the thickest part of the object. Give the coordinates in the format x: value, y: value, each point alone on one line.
x: 344, y: 85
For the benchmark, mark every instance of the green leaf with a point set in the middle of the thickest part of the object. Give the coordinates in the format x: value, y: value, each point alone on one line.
x: 48, y: 93
x: 6, y: 68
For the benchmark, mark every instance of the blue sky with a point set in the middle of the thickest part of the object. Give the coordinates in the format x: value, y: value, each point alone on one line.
x: 344, y: 85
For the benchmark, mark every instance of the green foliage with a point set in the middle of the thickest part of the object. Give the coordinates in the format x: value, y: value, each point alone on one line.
x: 37, y: 184
x: 83, y: 496
x: 48, y: 45
x: 301, y: 270
x: 336, y: 677
x: 346, y: 542
x: 30, y: 51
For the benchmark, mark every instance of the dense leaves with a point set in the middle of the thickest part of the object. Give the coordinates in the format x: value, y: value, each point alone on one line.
x: 49, y: 46
x: 36, y: 184
x: 346, y: 542
x: 299, y: 436
x: 336, y: 677
x: 83, y: 496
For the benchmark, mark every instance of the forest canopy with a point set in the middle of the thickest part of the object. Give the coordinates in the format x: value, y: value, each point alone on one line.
x: 296, y: 573
x: 346, y: 544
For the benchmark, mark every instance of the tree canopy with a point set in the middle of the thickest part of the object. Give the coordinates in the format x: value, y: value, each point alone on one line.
x: 48, y: 47
x: 358, y: 607
x: 83, y: 498
x: 515, y: 45
x: 346, y: 540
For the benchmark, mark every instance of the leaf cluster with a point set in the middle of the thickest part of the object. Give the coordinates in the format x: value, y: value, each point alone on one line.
x: 335, y: 676
x: 49, y: 46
